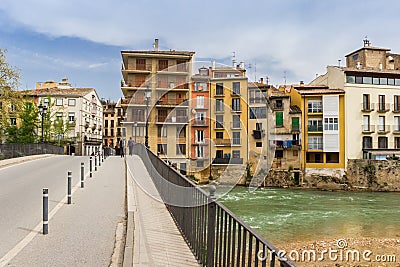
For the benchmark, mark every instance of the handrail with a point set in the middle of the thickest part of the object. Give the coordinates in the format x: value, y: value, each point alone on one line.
x: 216, y: 236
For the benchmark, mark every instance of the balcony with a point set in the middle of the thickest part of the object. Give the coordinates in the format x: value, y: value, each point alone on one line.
x: 367, y: 107
x: 396, y: 108
x: 228, y: 161
x: 199, y: 122
x: 172, y: 102
x: 222, y: 142
x: 383, y: 107
x: 172, y: 119
x: 287, y: 144
x: 257, y: 100
x: 258, y: 134
x: 383, y: 129
x: 182, y: 68
x: 219, y: 125
x: 236, y: 110
x: 367, y: 129
x: 295, y: 129
x: 137, y: 68
x: 315, y: 128
x: 236, y: 125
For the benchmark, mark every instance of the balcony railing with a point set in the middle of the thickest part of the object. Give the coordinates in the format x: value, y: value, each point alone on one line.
x: 315, y: 146
x: 219, y: 125
x: 383, y: 107
x: 367, y: 128
x: 228, y: 161
x: 172, y: 102
x: 396, y: 129
x: 315, y: 128
x: 236, y: 125
x: 396, y: 108
x: 199, y: 122
x: 256, y: 100
x: 383, y: 129
x: 172, y: 119
x: 222, y: 142
x: 367, y: 107
x: 295, y: 129
x: 138, y: 67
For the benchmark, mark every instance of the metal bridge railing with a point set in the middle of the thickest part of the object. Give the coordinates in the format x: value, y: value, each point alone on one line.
x: 216, y: 236
x: 8, y: 151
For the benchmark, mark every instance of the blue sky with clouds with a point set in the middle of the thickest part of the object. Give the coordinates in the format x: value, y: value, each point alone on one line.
x: 82, y: 39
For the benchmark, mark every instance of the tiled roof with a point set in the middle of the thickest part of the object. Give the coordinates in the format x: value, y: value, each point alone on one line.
x: 165, y: 52
x: 59, y: 92
x: 319, y: 91
x: 295, y: 110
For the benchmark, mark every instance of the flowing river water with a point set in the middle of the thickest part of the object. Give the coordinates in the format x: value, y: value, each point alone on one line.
x: 283, y: 215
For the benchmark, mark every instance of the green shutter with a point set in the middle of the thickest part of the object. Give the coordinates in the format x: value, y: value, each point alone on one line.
x: 295, y: 123
x: 279, y: 118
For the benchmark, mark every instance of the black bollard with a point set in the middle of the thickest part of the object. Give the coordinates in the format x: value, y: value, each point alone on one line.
x: 82, y: 175
x: 45, y: 211
x: 90, y: 166
x: 95, y: 163
x: 69, y: 195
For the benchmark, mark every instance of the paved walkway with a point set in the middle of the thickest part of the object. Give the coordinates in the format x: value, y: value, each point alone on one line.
x: 156, y: 239
x: 83, y: 233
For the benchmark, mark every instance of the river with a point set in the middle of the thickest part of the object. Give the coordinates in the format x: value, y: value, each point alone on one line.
x: 283, y: 215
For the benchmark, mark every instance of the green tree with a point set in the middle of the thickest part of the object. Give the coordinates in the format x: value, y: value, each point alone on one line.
x: 29, y: 119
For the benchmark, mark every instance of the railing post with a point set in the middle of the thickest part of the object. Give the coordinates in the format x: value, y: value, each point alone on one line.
x: 90, y: 166
x: 45, y: 211
x: 211, y: 226
x: 99, y: 159
x: 95, y: 163
x: 82, y: 175
x: 69, y: 193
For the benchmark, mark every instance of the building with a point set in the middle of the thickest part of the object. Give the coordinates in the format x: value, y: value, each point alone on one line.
x: 286, y: 137
x: 199, y: 127
x: 229, y: 117
x: 371, y: 80
x: 76, y: 111
x: 113, y: 116
x: 11, y: 101
x: 322, y: 128
x: 156, y: 83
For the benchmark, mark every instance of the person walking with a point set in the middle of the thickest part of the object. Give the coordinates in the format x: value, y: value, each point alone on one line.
x: 122, y: 147
x: 130, y: 146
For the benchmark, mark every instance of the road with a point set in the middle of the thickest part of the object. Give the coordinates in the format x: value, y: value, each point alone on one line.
x: 83, y: 232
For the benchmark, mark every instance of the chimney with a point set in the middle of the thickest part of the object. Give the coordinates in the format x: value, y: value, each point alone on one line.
x: 213, y: 65
x: 241, y: 65
x: 156, y: 44
x: 380, y: 66
x: 262, y: 80
x: 358, y: 65
x: 233, y: 63
x: 301, y: 83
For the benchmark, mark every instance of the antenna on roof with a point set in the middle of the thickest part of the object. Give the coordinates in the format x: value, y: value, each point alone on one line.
x: 284, y: 77
x: 339, y: 60
x: 255, y: 71
x: 233, y: 59
x: 366, y: 41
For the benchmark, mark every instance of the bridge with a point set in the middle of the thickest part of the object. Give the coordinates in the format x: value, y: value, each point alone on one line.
x: 167, y: 220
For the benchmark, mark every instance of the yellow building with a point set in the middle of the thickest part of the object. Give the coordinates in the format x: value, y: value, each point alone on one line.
x: 229, y: 117
x: 166, y: 75
x: 322, y: 128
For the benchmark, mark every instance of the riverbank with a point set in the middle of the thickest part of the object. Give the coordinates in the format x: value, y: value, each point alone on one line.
x: 358, y: 252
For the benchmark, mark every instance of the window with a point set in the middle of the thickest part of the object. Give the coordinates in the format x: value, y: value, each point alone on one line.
x: 314, y: 106
x: 397, y: 142
x: 181, y: 132
x: 383, y: 81
x: 258, y: 113
x: 381, y: 126
x: 315, y: 143
x: 259, y: 126
x: 366, y: 121
x: 219, y: 135
x: 367, y: 142
x: 13, y: 121
x: 199, y: 163
x: 396, y: 103
x: 359, y: 79
x: 382, y: 103
x: 332, y: 157
x: 180, y: 149
x: 112, y: 132
x: 396, y: 126
x: 112, y: 124
x: 278, y: 154
x: 200, y: 86
x: 162, y: 64
x: 106, y: 123
x: 200, y: 117
x: 236, y: 154
x: 382, y: 142
x: 141, y: 64
x: 200, y: 101
x: 219, y: 89
x: 278, y: 104
x: 139, y: 130
x: 236, y: 122
x: 219, y: 154
x: 390, y: 81
x: 314, y: 157
x: 59, y: 102
x: 236, y: 104
x: 236, y: 138
x: 71, y: 117
x: 105, y: 132
x: 181, y: 65
x: 258, y: 144
x: 350, y: 79
x: 161, y: 131
x: 367, y: 80
x: 162, y: 149
x: 331, y: 124
x: 314, y: 125
x: 199, y: 136
x: 219, y: 105
x: 279, y: 119
x: 366, y: 102
x: 200, y: 151
x: 71, y: 102
x: 219, y: 121
x: 236, y: 88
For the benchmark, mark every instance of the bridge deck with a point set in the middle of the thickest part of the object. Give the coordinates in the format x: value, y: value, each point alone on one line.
x: 156, y: 239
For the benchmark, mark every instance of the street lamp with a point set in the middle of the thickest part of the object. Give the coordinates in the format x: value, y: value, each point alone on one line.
x: 42, y: 112
x: 147, y: 95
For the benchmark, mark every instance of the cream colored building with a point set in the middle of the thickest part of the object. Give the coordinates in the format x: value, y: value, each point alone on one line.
x: 113, y: 116
x: 371, y: 81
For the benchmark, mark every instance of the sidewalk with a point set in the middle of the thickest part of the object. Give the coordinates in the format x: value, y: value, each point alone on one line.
x: 83, y: 233
x: 12, y: 161
x: 156, y: 239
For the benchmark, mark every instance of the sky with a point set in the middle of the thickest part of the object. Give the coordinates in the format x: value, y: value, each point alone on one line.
x: 286, y: 40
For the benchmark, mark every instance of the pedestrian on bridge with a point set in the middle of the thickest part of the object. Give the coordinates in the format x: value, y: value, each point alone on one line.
x: 122, y: 147
x: 130, y: 146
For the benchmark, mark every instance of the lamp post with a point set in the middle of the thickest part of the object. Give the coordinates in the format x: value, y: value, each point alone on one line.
x: 42, y: 112
x: 147, y: 95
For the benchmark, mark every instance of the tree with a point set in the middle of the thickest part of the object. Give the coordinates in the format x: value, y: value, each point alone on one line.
x: 9, y: 75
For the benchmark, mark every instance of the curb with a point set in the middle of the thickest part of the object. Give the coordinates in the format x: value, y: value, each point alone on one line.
x: 130, y: 225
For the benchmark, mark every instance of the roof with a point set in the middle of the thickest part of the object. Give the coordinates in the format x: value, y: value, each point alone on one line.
x: 369, y: 48
x: 162, y: 52
x: 258, y: 84
x: 317, y: 90
x: 59, y: 92
x: 295, y: 110
x: 370, y: 70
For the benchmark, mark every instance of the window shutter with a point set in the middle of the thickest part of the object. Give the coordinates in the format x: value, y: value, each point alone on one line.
x: 279, y: 118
